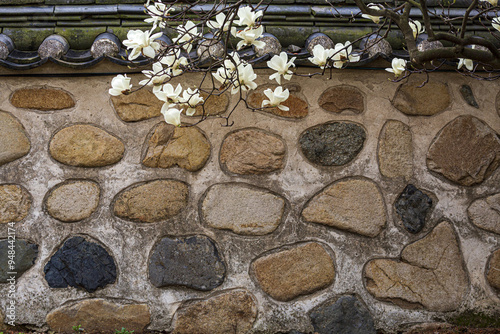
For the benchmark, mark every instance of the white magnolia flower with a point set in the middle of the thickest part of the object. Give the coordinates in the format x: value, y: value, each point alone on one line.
x: 120, y: 85
x: 187, y: 34
x: 492, y: 2
x: 169, y: 95
x: 321, y: 55
x: 398, y: 66
x: 245, y: 81
x: 468, y: 63
x: 496, y: 23
x: 156, y: 77
x: 191, y: 97
x: 227, y: 73
x: 174, y: 61
x: 249, y: 37
x: 375, y: 19
x: 417, y: 28
x: 220, y: 22
x: 157, y: 12
x: 275, y: 98
x: 247, y: 16
x: 343, y: 55
x: 171, y: 115
x: 142, y: 42
x: 281, y: 65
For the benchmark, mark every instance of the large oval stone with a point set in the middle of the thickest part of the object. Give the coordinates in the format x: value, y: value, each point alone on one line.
x: 242, y: 209
x: 466, y: 151
x: 73, y: 201
x: 332, y: 144
x: 99, y: 316
x: 339, y: 98
x: 86, y: 146
x: 214, y: 104
x: 42, y: 98
x: 428, y: 100
x: 252, y: 151
x: 15, y: 203
x: 25, y: 256
x: 296, y: 102
x: 493, y: 272
x: 395, y: 150
x: 353, y: 205
x: 193, y: 262
x: 485, y: 213
x: 137, y: 106
x: 14, y: 143
x: 300, y: 270
x: 152, y: 201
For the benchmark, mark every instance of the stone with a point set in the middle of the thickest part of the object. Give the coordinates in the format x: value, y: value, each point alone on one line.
x: 170, y: 146
x: 425, y: 45
x: 468, y: 96
x: 353, y: 205
x: 428, y: 100
x: 485, y: 213
x: 412, y: 206
x: 137, y: 106
x: 73, y: 201
x: 152, y: 201
x: 85, y: 146
x: 242, y: 208
x: 4, y: 53
x: 99, y: 316
x: 252, y: 152
x: 493, y: 273
x: 339, y: 98
x: 466, y: 151
x: 210, y: 48
x: 229, y: 312
x: 429, y: 275
x: 214, y: 104
x: 14, y: 143
x: 376, y: 45
x: 42, y: 98
x: 301, y: 270
x: 272, y: 47
x: 297, y: 104
x: 332, y: 144
x: 345, y: 315
x: 24, y: 257
x: 395, y: 150
x: 15, y: 203
x: 80, y: 264
x: 53, y: 48
x: 105, y: 47
x: 193, y: 262
x: 319, y: 39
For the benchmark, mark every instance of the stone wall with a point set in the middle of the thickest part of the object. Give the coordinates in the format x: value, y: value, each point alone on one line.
x: 369, y: 203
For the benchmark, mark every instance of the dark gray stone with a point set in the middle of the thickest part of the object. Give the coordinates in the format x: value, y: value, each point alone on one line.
x: 332, y: 144
x: 24, y: 257
x: 193, y: 262
x: 468, y: 96
x: 345, y: 316
x: 80, y: 264
x: 412, y: 206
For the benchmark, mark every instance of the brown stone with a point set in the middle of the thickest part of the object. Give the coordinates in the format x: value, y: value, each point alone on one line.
x: 214, y: 104
x: 485, y: 213
x: 298, y: 271
x: 339, y: 98
x: 15, y: 203
x: 252, y: 151
x: 152, y: 201
x: 230, y: 312
x: 428, y: 100
x: 170, y: 146
x: 430, y: 274
x: 138, y: 106
x: 73, y: 201
x: 86, y: 146
x: 42, y: 98
x: 99, y: 316
x: 465, y: 151
x: 354, y: 205
x: 493, y: 274
x: 14, y: 143
x: 297, y: 104
x: 395, y: 151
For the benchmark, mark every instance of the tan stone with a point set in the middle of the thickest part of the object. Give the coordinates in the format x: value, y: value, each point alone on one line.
x: 354, y: 205
x: 85, y: 146
x: 231, y: 312
x: 297, y: 104
x: 152, y: 201
x: 428, y: 100
x: 14, y: 143
x: 42, y: 98
x: 15, y: 203
x: 465, y: 151
x: 99, y: 316
x: 485, y: 213
x: 493, y: 274
x: 252, y: 151
x: 395, y: 151
x: 214, y: 104
x: 73, y: 201
x: 430, y: 274
x: 170, y: 146
x: 138, y: 106
x: 298, y: 271
x: 339, y: 98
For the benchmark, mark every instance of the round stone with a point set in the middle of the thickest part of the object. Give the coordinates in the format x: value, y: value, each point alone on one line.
x: 14, y: 143
x: 25, y: 257
x: 395, y: 150
x: 428, y: 100
x: 214, y: 104
x: 104, y: 47
x: 493, y: 272
x: 15, y: 203
x: 425, y: 45
x: 4, y: 51
x: 485, y: 213
x: 296, y: 102
x: 42, y: 98
x: 73, y: 201
x: 376, y: 45
x: 319, y: 39
x: 339, y: 98
x: 54, y: 46
x: 272, y: 47
x: 210, y: 48
x: 138, y: 106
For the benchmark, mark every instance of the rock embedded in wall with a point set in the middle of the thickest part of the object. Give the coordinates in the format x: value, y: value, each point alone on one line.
x: 15, y: 203
x: 395, y: 150
x: 428, y: 100
x: 296, y: 102
x: 299, y: 270
x: 25, y: 257
x: 430, y: 274
x: 353, y: 205
x: 468, y: 95
x: 485, y: 213
x: 493, y: 270
x: 340, y: 98
x: 151, y: 201
x: 214, y: 104
x: 14, y: 143
x: 139, y: 106
x: 412, y: 206
x: 466, y: 151
x: 42, y: 98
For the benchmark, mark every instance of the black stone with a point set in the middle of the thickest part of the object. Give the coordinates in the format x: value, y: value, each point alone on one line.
x: 24, y: 255
x: 345, y: 316
x: 80, y: 264
x: 332, y: 144
x: 412, y: 206
x: 193, y: 262
x: 468, y: 96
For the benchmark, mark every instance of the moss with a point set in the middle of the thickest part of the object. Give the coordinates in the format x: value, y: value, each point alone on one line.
x: 475, y: 319
x: 291, y: 35
x: 28, y: 39
x: 80, y: 38
x: 341, y: 34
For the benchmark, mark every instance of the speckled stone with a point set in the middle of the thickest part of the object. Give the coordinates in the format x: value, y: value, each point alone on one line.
x: 339, y: 98
x: 273, y: 46
x: 137, y: 106
x: 493, y: 272
x: 320, y: 39
x: 24, y: 257
x: 425, y: 45
x: 485, y: 213
x: 15, y: 203
x: 412, y: 206
x: 210, y: 49
x: 4, y: 51
x: 378, y: 45
x: 104, y: 47
x: 52, y: 48
x: 42, y: 98
x: 395, y: 150
x: 73, y: 201
x: 428, y: 100
x: 214, y: 104
x: 296, y: 102
x: 14, y: 143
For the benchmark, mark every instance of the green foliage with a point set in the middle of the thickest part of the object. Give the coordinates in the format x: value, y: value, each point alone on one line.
x: 78, y: 329
x: 123, y: 331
